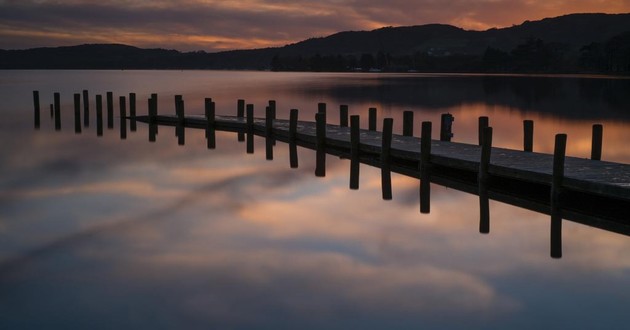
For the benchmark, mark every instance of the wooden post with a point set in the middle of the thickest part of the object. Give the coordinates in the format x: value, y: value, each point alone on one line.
x: 110, y: 110
x: 152, y: 118
x: 36, y: 112
x: 250, y: 128
x: 52, y: 111
x: 272, y: 108
x: 86, y: 108
x: 483, y: 123
x: 57, y: 101
x: 482, y: 179
x: 355, y: 135
x: 320, y: 122
x: 269, y: 133
x: 178, y: 113
x: 181, y: 121
x: 293, y: 156
x: 240, y: 112
x: 528, y: 135
x: 132, y: 111
x: 77, y: 113
x: 407, y: 123
x: 425, y: 166
x: 372, y: 119
x: 99, y: 115
x: 386, y: 147
x: 343, y: 115
x: 446, y: 127
x: 154, y: 97
x: 556, y: 190
x: 210, y: 123
x: 321, y: 107
x: 123, y: 117
x: 596, y: 144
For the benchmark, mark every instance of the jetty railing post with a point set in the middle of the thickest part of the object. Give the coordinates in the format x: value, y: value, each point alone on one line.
x: 110, y: 110
x: 86, y: 108
x: 152, y: 118
x: 293, y: 156
x: 425, y: 166
x: 250, y: 128
x: 178, y: 110
x: 99, y: 115
x: 36, y: 111
x: 269, y: 133
x: 484, y: 122
x: 482, y: 178
x: 343, y: 115
x: 556, y: 190
x: 272, y: 108
x: 372, y: 119
x: 240, y: 113
x: 57, y: 102
x: 132, y: 111
x: 386, y: 147
x: 181, y: 128
x: 446, y: 127
x: 596, y: 144
x: 320, y: 130
x: 77, y: 113
x: 210, y: 123
x: 123, y: 117
x: 407, y: 123
x: 528, y: 135
x: 355, y: 135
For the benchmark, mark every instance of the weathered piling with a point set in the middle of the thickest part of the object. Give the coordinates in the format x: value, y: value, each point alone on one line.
x: 36, y: 111
x: 77, y: 113
x: 180, y: 129
x: 269, y: 117
x: 272, y: 108
x: 240, y: 112
x: 556, y: 190
x: 52, y: 111
x: 407, y: 123
x: 446, y: 127
x: 86, y: 108
x: 57, y: 101
x: 320, y: 132
x: 343, y: 115
x: 321, y: 107
x: 425, y: 166
x: 210, y: 108
x: 293, y: 156
x: 99, y: 115
x: 596, y: 143
x: 482, y: 180
x: 386, y: 147
x: 132, y: 112
x: 250, y: 128
x: 152, y: 118
x: 528, y: 135
x: 354, y: 151
x: 372, y: 119
x: 122, y: 103
x: 110, y: 110
x: 154, y: 98
x: 484, y: 122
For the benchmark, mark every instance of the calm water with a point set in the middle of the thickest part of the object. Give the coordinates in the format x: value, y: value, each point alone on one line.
x: 105, y: 233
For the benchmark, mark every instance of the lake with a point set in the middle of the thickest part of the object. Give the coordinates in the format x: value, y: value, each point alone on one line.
x: 103, y: 233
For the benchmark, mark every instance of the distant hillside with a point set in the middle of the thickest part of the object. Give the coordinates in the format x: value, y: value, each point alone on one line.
x: 571, y: 43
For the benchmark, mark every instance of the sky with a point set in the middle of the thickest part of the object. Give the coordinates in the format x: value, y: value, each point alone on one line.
x: 218, y: 25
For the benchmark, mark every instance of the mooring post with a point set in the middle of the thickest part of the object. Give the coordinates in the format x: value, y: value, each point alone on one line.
x: 320, y: 130
x: 99, y: 115
x: 240, y: 113
x: 355, y: 135
x: 57, y: 102
x: 386, y: 147
x: 484, y: 122
x: 77, y: 113
x: 446, y: 127
x: 556, y: 191
x: 407, y: 123
x: 110, y: 110
x: 372, y: 119
x: 596, y: 144
x: 425, y: 166
x: 181, y: 121
x: 528, y: 135
x: 123, y: 117
x: 152, y: 118
x: 154, y: 102
x: 52, y: 111
x: 343, y: 115
x: 293, y: 156
x: 269, y: 133
x: 250, y: 128
x: 210, y: 123
x: 132, y: 111
x: 272, y: 108
x: 482, y: 179
x: 36, y: 112
x: 321, y: 107
x: 178, y: 113
x: 86, y: 108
